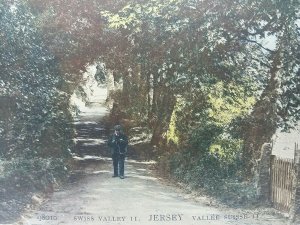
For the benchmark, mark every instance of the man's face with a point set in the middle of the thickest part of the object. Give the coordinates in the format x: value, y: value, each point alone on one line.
x: 117, y: 132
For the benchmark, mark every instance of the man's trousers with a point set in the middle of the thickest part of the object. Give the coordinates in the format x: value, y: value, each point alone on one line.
x: 118, y: 163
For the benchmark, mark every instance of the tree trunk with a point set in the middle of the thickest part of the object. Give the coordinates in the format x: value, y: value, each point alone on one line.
x: 165, y: 103
x: 263, y: 120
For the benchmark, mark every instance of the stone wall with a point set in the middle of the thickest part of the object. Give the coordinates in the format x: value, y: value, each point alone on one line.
x: 264, y: 176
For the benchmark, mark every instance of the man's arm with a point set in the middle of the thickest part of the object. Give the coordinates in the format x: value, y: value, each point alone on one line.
x: 111, y: 141
x: 124, y: 140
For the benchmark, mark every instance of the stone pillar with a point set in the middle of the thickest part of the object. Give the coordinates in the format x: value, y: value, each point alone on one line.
x: 264, y: 170
x: 295, y: 208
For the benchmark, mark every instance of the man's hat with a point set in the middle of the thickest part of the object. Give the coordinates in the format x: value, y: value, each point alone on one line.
x: 118, y: 128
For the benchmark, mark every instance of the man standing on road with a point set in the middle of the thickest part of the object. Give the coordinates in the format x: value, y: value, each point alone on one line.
x: 118, y: 143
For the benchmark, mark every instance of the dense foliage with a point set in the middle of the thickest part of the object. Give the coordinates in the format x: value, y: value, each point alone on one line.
x: 35, y: 119
x: 208, y: 61
x: 32, y: 84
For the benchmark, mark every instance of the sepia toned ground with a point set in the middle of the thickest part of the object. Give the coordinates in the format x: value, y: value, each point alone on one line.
x: 140, y: 198
x: 94, y: 197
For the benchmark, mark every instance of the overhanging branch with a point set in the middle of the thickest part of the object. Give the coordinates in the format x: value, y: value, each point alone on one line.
x: 260, y: 45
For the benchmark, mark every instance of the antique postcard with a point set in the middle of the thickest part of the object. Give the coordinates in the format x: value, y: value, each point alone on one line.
x: 129, y: 112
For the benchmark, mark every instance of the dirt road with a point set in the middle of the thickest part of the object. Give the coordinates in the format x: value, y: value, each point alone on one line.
x: 140, y: 198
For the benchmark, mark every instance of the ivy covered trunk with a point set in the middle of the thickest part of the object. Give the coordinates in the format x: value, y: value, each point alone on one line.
x: 262, y: 123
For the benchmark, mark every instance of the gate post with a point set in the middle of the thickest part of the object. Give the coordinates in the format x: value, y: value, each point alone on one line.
x: 295, y: 207
x: 264, y: 170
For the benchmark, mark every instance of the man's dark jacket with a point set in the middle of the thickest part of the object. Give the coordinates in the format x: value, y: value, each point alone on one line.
x: 118, y: 143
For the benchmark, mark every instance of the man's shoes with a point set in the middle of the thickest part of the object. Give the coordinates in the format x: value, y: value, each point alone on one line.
x: 121, y: 177
x: 115, y: 176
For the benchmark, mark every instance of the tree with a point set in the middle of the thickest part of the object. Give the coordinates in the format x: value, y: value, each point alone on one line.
x: 280, y: 21
x: 195, y: 44
x: 30, y: 78
x: 165, y: 51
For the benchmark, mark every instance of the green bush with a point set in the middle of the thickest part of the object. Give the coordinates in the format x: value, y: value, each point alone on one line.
x: 204, y: 136
x: 213, y: 176
x: 37, y: 174
x: 202, y: 171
